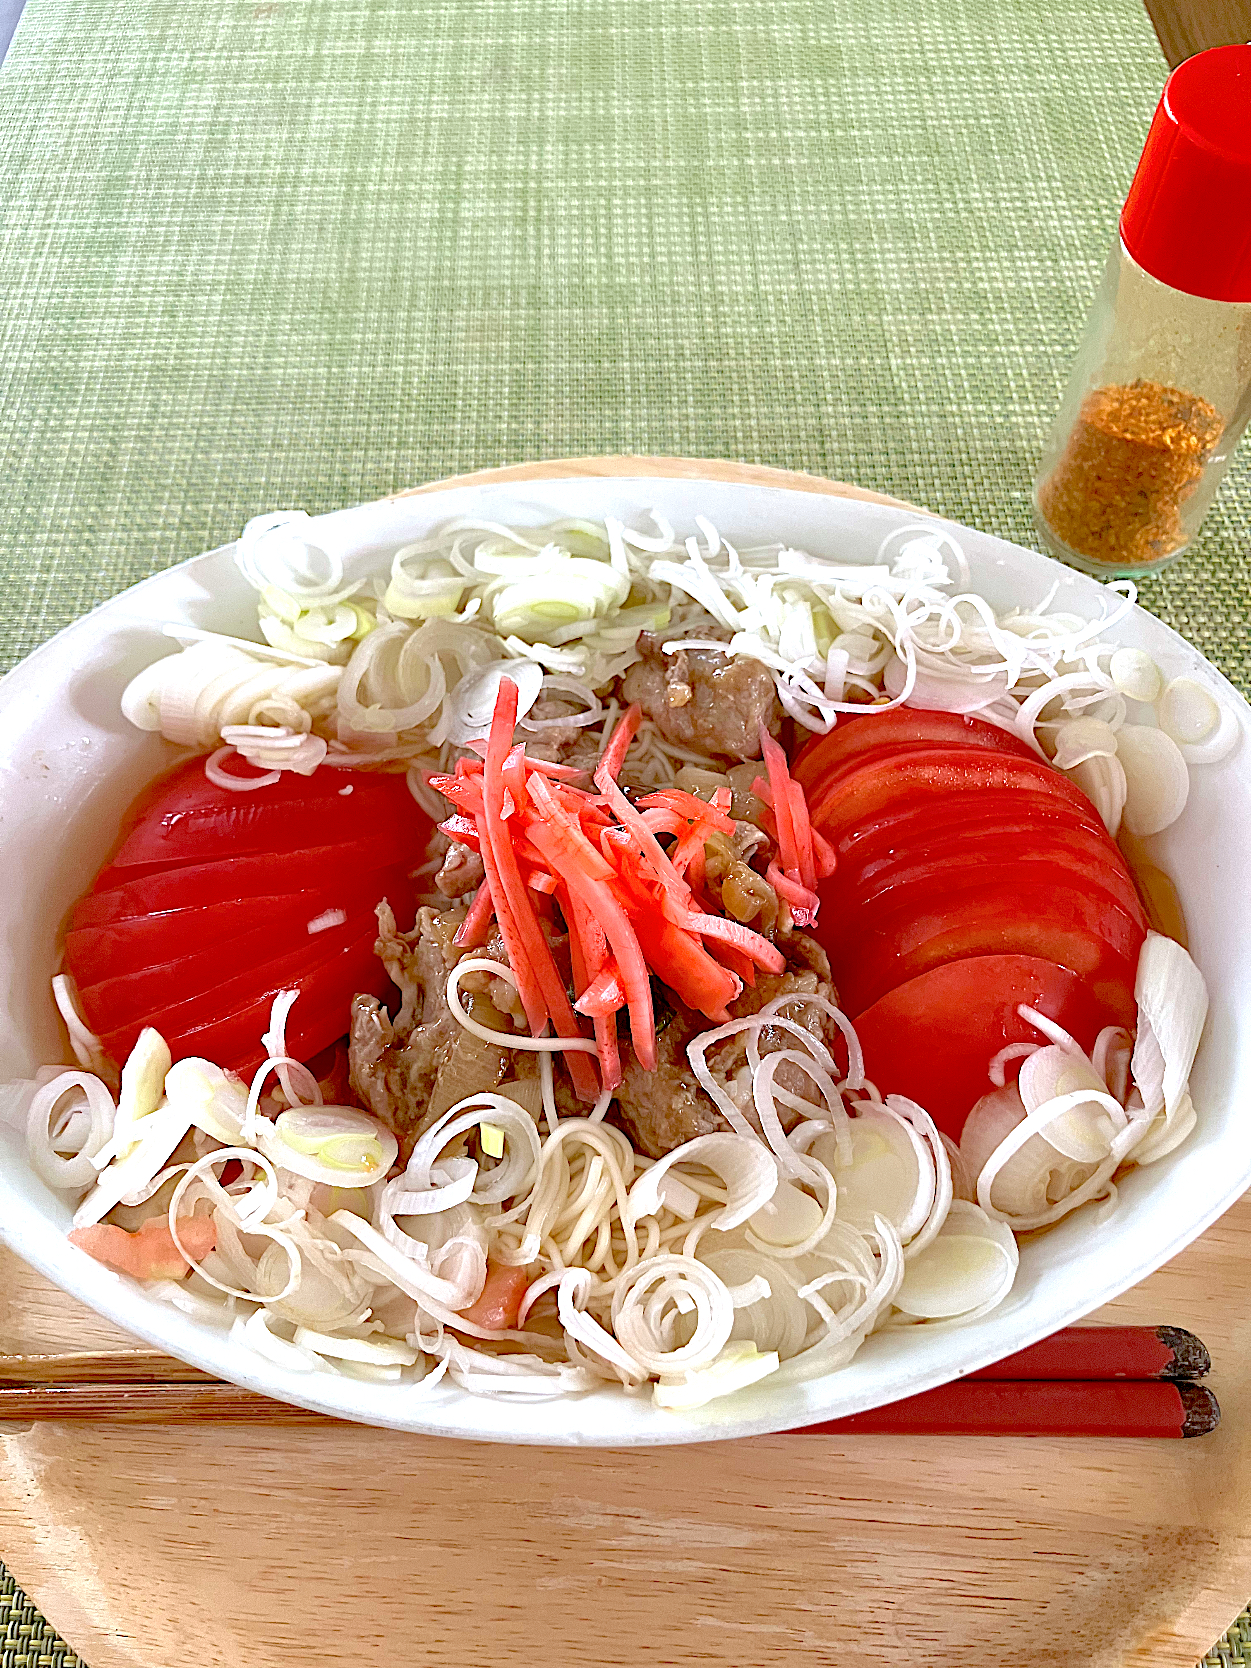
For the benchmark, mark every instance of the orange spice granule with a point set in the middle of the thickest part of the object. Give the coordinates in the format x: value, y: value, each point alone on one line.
x: 1133, y: 456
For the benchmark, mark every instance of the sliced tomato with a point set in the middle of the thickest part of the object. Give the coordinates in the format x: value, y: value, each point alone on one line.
x: 897, y: 728
x: 95, y: 953
x: 203, y: 915
x: 188, y: 819
x: 909, y: 826
x: 319, y: 1020
x: 933, y: 1037
x: 987, y: 856
x: 228, y: 1030
x: 144, y: 990
x: 181, y: 1008
x: 887, y: 781
x: 877, y: 948
x: 262, y: 876
x: 141, y: 941
x: 117, y: 948
x: 323, y: 1016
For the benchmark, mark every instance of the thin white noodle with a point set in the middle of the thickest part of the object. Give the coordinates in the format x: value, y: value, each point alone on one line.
x: 505, y: 1039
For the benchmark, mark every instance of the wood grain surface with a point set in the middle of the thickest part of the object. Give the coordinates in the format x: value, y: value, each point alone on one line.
x: 1184, y: 27
x: 231, y: 1546
x: 673, y: 469
x: 279, y: 1547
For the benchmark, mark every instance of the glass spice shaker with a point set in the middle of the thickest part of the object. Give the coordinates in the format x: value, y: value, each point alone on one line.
x: 1161, y: 388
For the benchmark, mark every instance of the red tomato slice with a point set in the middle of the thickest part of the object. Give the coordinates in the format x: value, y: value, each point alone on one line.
x: 898, y: 728
x: 243, y: 981
x: 144, y: 990
x: 320, y: 1017
x: 1012, y: 896
x: 890, y: 781
x: 262, y: 876
x: 227, y: 1029
x: 188, y: 819
x: 880, y: 947
x: 141, y: 941
x: 910, y: 827
x: 104, y: 952
x: 933, y: 1037
x: 987, y: 856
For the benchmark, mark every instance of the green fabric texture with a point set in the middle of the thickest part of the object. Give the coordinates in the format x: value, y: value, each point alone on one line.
x: 302, y: 252
x: 1234, y: 1650
x: 26, y: 1640
x: 267, y: 253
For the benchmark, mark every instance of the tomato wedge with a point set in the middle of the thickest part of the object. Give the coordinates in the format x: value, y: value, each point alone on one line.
x: 188, y: 819
x: 907, y: 827
x: 146, y: 990
x: 933, y: 1037
x: 987, y: 856
x: 227, y: 1028
x: 320, y: 1017
x: 203, y: 915
x: 239, y: 981
x: 898, y: 728
x: 264, y: 875
x: 887, y: 781
x: 1028, y: 914
x: 94, y: 953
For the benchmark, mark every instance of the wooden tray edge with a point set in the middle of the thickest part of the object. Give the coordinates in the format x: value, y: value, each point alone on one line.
x: 660, y: 468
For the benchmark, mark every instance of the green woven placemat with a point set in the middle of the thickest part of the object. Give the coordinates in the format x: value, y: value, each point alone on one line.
x: 258, y: 253
x: 272, y: 252
x: 26, y: 1640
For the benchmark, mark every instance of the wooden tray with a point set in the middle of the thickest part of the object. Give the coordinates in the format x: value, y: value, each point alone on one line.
x: 283, y: 1547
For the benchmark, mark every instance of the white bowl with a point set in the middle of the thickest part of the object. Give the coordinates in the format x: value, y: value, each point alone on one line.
x: 71, y: 764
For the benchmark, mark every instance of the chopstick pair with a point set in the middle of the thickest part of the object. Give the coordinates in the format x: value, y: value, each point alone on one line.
x: 1128, y: 1381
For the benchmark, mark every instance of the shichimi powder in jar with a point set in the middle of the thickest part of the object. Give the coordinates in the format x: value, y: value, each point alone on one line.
x: 1134, y: 454
x: 1160, y: 387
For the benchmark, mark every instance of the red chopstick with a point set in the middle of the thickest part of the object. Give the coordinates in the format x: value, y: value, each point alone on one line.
x: 1135, y: 1381
x: 1107, y: 1352
x: 1040, y: 1407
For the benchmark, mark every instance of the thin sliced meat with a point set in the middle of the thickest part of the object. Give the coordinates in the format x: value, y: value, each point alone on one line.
x: 714, y: 703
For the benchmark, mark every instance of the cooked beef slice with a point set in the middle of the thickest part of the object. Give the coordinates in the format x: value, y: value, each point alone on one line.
x: 412, y: 1069
x: 710, y: 702
x: 660, y: 1110
x: 461, y: 872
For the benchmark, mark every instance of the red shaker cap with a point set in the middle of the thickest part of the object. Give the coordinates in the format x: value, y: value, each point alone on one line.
x: 1187, y: 219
